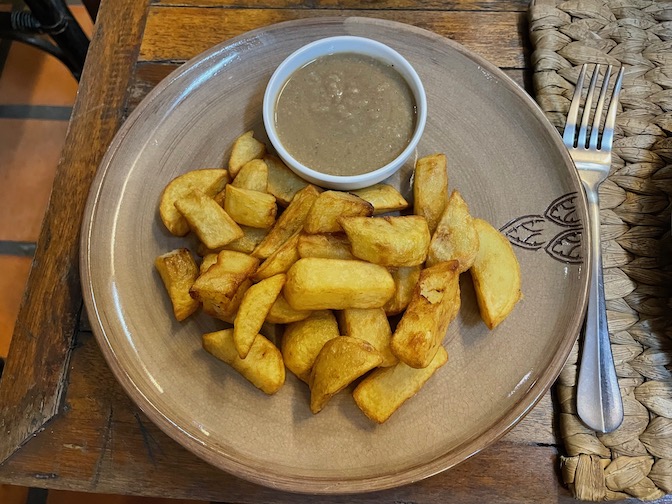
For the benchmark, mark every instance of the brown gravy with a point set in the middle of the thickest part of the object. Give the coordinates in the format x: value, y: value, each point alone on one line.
x: 345, y: 114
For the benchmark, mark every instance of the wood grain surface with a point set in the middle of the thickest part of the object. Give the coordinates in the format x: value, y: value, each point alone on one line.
x: 169, y: 35
x: 463, y: 5
x: 35, y: 373
x: 86, y: 434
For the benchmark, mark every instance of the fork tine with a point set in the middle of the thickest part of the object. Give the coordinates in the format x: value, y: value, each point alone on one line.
x: 594, y: 133
x: 573, y: 114
x: 610, y: 122
x: 583, y: 130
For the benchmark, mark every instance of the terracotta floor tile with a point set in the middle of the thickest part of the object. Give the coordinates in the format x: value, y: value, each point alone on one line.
x: 10, y: 494
x: 29, y: 153
x: 82, y: 16
x: 32, y: 76
x: 13, y: 275
x: 61, y: 497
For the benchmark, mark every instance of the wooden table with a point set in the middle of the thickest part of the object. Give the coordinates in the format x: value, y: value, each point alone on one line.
x: 65, y: 421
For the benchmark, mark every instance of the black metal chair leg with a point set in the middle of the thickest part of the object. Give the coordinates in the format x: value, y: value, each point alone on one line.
x: 58, y: 22
x: 53, y: 18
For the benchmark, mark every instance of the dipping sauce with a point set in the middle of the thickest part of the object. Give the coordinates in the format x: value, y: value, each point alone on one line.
x: 345, y: 114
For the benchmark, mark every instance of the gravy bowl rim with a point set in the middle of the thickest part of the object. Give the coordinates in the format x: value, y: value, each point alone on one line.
x: 336, y: 45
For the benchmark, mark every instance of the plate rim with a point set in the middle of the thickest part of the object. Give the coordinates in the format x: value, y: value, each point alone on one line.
x: 326, y: 485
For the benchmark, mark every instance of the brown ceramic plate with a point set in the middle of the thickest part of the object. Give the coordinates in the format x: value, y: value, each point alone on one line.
x: 505, y: 158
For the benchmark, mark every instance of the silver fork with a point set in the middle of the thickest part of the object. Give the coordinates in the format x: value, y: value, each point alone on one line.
x: 599, y: 403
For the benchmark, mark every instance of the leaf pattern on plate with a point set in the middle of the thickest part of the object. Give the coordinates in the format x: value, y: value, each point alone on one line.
x: 566, y: 246
x: 550, y: 231
x: 562, y: 211
x: 526, y: 231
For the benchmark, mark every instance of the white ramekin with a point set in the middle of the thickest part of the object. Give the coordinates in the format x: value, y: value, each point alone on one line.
x: 333, y: 45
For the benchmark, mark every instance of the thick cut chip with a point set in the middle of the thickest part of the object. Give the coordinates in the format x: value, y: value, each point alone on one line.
x: 326, y: 246
x: 219, y: 197
x: 217, y: 287
x: 213, y: 226
x: 250, y: 208
x: 263, y: 366
x: 245, y: 149
x: 404, y: 283
x: 322, y: 284
x: 388, y: 241
x: 250, y: 239
x: 430, y: 188
x: 208, y: 260
x: 282, y: 313
x: 383, y: 197
x: 340, y: 362
x: 210, y: 181
x: 252, y: 176
x: 496, y: 275
x: 382, y: 392
x: 435, y: 303
x: 229, y: 314
x: 370, y: 325
x: 289, y: 222
x: 283, y: 183
x: 252, y: 312
x: 330, y: 206
x: 304, y: 339
x: 279, y: 261
x: 455, y: 236
x: 178, y: 271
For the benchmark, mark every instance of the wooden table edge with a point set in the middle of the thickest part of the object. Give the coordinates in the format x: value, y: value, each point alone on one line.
x: 36, y: 371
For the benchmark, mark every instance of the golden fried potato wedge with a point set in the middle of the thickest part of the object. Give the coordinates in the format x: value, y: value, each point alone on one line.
x: 289, y: 222
x: 282, y: 313
x: 383, y: 197
x: 213, y: 226
x: 326, y: 246
x: 227, y: 314
x: 218, y: 285
x: 304, y: 339
x: 370, y: 325
x: 340, y: 362
x: 283, y: 183
x: 321, y: 284
x: 382, y: 392
x: 496, y: 275
x: 263, y: 366
x: 208, y: 260
x: 435, y: 303
x: 272, y: 332
x: 210, y: 181
x: 455, y: 236
x: 388, y: 241
x: 430, y: 188
x: 330, y: 206
x: 220, y: 197
x: 252, y: 312
x: 404, y: 283
x: 245, y: 149
x: 279, y: 261
x: 178, y: 271
x: 250, y: 239
x: 250, y: 208
x: 252, y: 176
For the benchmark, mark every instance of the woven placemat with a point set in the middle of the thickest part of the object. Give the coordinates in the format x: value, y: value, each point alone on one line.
x: 636, y: 459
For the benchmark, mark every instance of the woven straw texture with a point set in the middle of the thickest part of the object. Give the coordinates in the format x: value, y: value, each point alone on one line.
x: 636, y: 459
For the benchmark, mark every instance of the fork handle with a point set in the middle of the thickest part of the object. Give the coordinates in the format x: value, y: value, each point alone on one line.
x: 598, y: 402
